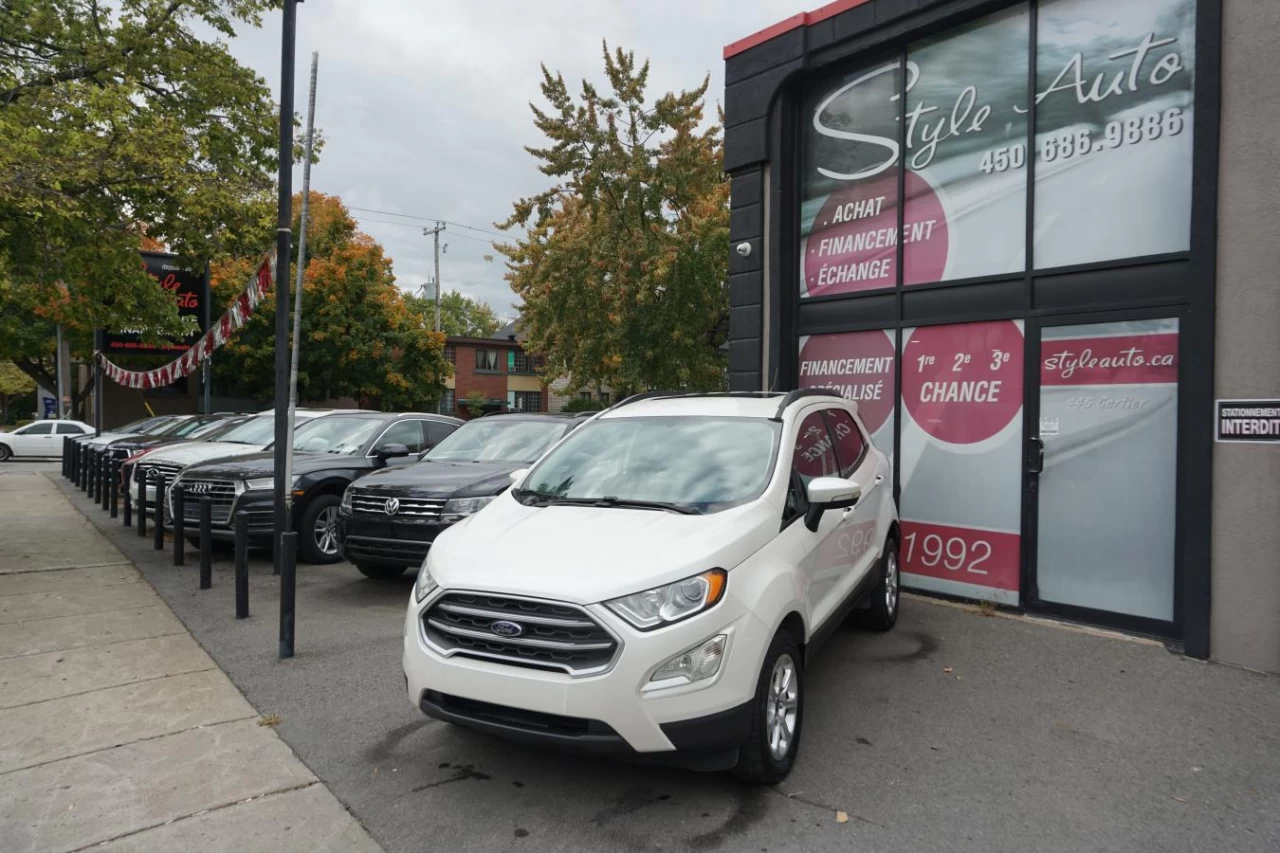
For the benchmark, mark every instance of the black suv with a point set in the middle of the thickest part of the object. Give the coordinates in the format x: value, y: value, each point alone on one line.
x: 329, y: 453
x: 388, y: 520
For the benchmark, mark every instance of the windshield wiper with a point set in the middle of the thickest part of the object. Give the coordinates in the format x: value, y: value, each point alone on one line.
x: 539, y: 499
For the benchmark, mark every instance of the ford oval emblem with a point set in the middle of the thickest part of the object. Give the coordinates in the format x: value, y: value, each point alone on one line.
x: 503, y: 628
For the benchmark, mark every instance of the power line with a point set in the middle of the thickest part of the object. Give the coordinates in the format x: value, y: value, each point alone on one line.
x: 427, y: 219
x: 419, y: 227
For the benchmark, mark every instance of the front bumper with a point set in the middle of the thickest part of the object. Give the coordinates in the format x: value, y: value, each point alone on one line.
x: 611, y: 712
x: 368, y: 540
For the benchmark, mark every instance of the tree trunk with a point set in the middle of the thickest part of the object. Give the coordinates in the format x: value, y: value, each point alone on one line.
x: 41, y: 374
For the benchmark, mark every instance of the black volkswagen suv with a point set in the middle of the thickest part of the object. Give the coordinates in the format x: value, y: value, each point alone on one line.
x: 387, y: 520
x: 329, y: 453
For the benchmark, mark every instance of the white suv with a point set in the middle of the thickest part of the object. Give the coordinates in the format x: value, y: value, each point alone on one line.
x: 656, y: 583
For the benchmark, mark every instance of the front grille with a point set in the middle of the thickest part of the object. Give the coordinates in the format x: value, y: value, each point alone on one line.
x: 153, y: 470
x: 411, y: 552
x: 366, y: 502
x: 556, y: 636
x: 221, y: 492
x: 518, y: 718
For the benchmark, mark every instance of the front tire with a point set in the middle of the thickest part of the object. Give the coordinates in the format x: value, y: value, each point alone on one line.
x: 776, y: 715
x: 882, y: 615
x: 318, y: 531
x: 5, y: 453
x: 382, y: 573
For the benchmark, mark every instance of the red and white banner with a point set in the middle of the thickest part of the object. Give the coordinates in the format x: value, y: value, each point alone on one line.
x: 231, y: 321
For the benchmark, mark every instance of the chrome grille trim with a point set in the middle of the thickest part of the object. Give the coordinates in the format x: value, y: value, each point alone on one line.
x: 558, y: 636
x: 221, y: 492
x: 367, y: 502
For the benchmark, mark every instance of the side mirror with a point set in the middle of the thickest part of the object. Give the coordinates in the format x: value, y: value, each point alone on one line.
x: 826, y: 493
x: 391, y: 451
x: 518, y: 475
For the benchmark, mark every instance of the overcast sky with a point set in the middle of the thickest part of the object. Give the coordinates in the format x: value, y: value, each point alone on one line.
x: 424, y: 105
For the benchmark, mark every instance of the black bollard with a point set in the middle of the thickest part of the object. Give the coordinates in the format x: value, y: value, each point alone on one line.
x: 92, y: 476
x: 206, y: 542
x: 66, y: 443
x: 104, y: 487
x: 82, y: 469
x: 162, y: 487
x: 128, y: 504
x: 288, y: 566
x: 142, y: 500
x: 114, y: 489
x: 242, y: 566
x: 179, y: 525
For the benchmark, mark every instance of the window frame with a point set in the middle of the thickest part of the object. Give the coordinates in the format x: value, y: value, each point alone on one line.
x: 835, y: 442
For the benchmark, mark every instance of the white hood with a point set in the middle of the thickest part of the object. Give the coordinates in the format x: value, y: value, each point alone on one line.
x: 191, y: 452
x: 590, y: 554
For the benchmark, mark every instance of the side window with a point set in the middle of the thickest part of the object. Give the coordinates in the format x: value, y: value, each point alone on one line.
x: 850, y: 446
x: 45, y: 428
x: 69, y: 429
x: 438, y: 432
x: 813, y: 456
x: 408, y: 433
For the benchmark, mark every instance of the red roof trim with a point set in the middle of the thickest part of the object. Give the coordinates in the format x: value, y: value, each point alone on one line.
x: 803, y: 19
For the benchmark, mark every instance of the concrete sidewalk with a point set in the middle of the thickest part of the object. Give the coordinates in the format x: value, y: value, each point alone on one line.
x: 117, y: 731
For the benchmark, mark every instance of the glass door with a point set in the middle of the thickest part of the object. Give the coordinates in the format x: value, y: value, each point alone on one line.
x: 1101, y: 462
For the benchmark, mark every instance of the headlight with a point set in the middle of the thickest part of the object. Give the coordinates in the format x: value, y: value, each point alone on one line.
x: 673, y: 602
x: 457, y: 509
x: 346, y: 498
x: 424, y: 585
x: 267, y: 483
x: 702, y: 661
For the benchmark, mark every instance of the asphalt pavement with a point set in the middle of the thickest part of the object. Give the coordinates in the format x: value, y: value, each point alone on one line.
x: 956, y: 732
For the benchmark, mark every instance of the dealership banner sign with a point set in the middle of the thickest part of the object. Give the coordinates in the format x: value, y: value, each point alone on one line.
x: 947, y: 128
x: 232, y: 320
x: 188, y: 291
x: 1248, y: 421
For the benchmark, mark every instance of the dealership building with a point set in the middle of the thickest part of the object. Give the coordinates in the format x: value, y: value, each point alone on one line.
x: 1038, y: 243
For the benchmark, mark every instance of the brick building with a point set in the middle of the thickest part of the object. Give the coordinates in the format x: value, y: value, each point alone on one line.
x: 499, y: 369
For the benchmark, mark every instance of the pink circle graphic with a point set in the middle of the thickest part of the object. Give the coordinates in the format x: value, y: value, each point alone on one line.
x: 963, y: 383
x: 857, y: 364
x: 852, y: 245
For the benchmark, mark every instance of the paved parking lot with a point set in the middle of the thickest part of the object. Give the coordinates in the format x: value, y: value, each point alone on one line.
x: 955, y: 732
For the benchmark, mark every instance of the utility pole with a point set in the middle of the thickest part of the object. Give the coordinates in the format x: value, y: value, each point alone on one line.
x: 434, y: 233
x: 284, y: 247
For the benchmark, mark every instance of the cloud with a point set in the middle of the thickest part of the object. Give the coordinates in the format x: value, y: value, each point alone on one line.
x: 424, y: 106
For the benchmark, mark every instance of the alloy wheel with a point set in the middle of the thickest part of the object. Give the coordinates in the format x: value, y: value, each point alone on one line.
x: 782, y: 708
x: 326, y: 531
x: 891, y: 582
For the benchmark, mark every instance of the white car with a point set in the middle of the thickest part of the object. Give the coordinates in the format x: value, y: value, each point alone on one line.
x: 40, y: 439
x: 252, y: 436
x: 656, y: 583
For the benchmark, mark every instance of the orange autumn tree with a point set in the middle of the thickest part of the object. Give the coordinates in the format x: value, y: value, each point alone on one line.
x: 359, y: 338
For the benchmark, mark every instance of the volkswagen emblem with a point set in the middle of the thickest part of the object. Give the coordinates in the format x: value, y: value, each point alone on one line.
x: 392, y: 506
x: 503, y: 628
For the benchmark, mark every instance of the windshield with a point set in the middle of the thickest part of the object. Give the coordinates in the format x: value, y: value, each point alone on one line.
x: 156, y: 427
x: 182, y: 426
x: 257, y: 430
x: 699, y: 463
x: 340, y: 435
x: 497, y: 440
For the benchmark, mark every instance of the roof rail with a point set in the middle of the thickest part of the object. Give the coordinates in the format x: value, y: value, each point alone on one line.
x: 799, y: 393
x: 647, y: 395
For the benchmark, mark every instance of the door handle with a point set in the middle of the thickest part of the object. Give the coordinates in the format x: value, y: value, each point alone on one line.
x: 1035, y: 455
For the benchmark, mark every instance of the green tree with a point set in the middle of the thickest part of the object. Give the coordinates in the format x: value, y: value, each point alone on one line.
x: 623, y: 264
x: 459, y: 315
x: 119, y: 124
x: 359, y: 337
x: 12, y: 382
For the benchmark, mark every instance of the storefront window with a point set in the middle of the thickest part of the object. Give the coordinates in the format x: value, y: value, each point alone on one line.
x: 967, y: 151
x: 862, y: 367
x: 849, y: 183
x: 1109, y: 424
x: 961, y: 461
x: 1114, y: 107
